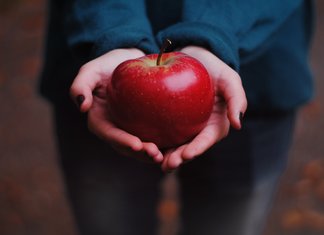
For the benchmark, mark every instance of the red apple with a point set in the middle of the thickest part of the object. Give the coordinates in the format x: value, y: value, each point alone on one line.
x: 165, y: 100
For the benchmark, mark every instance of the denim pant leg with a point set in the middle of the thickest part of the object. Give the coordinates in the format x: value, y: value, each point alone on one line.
x: 229, y: 190
x: 109, y: 193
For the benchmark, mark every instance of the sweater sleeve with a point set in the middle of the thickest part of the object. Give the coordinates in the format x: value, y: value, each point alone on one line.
x: 234, y: 30
x: 98, y: 26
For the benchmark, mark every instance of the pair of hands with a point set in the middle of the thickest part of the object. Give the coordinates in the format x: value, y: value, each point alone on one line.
x: 89, y: 89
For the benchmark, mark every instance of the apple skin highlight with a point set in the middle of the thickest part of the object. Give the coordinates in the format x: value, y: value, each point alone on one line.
x: 167, y: 104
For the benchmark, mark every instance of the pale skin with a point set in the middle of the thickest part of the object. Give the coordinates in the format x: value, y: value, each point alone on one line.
x: 230, y: 101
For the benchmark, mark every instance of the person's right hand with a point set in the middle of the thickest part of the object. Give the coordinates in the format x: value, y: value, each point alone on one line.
x: 89, y: 92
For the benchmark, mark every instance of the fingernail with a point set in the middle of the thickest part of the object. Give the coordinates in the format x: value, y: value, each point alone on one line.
x: 79, y: 100
x: 241, y: 116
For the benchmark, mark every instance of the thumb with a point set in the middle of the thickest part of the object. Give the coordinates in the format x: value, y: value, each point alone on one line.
x: 230, y: 87
x: 83, y: 85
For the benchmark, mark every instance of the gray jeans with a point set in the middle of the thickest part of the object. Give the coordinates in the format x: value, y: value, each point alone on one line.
x: 227, y: 191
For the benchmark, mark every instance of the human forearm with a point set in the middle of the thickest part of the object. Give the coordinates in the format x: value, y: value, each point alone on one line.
x: 96, y: 27
x: 233, y: 30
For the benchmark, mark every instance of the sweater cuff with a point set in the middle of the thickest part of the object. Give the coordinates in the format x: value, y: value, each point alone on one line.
x: 124, y: 37
x: 200, y: 34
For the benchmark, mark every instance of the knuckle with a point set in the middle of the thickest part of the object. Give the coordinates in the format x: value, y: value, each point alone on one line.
x: 237, y: 77
x: 85, y: 67
x: 73, y: 90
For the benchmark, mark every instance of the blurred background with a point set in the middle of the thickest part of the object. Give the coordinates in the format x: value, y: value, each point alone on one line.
x: 32, y: 200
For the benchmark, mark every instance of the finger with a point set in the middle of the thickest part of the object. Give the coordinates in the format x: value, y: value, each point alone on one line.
x: 110, y: 133
x: 203, y: 141
x: 229, y: 85
x: 158, y: 158
x: 115, y: 135
x: 83, y: 85
x: 141, y: 155
x: 92, y: 73
x: 173, y: 159
x: 153, y: 151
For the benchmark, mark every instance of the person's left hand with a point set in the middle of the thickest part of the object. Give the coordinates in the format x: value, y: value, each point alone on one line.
x: 230, y: 104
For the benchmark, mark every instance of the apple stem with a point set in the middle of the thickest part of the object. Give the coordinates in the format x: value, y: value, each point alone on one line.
x: 165, y: 45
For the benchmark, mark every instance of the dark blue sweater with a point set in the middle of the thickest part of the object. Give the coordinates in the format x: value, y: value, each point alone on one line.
x: 266, y: 41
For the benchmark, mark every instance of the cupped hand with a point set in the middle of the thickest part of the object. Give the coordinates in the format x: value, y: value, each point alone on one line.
x: 89, y: 89
x: 230, y: 104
